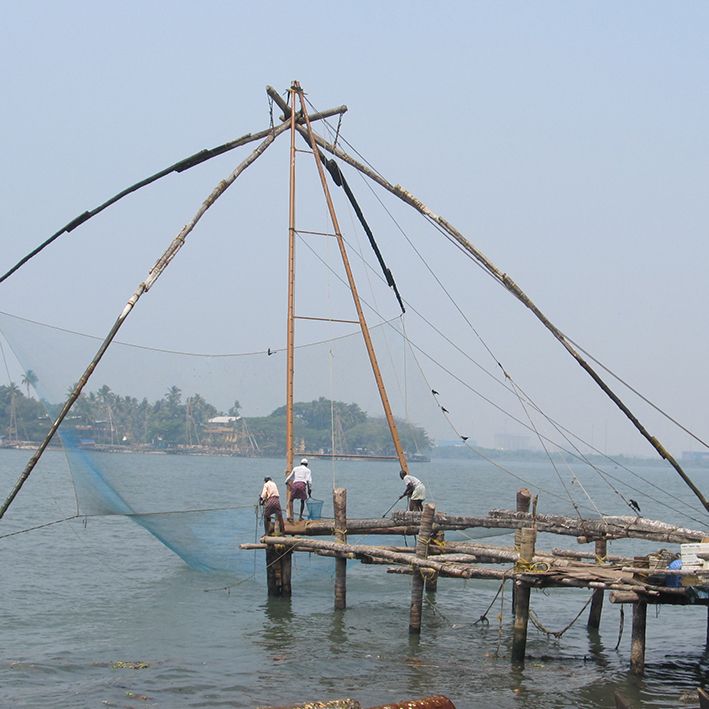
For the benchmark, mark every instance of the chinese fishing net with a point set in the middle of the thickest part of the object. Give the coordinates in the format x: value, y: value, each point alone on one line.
x: 180, y: 442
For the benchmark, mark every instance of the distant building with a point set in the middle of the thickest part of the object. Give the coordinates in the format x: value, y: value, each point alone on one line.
x: 221, y: 431
x: 455, y: 443
x: 511, y: 442
x: 696, y: 457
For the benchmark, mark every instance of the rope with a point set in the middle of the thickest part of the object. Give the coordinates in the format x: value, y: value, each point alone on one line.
x: 558, y: 427
x: 532, y: 567
x: 620, y: 628
x: 39, y: 526
x: 427, y: 573
x: 556, y: 633
x: 500, y: 617
x: 423, y: 540
x: 495, y: 277
x: 483, y: 617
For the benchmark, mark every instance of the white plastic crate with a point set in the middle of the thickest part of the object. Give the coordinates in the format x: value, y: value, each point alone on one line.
x: 690, y: 560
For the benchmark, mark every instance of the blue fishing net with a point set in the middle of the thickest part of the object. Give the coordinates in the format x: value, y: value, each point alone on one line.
x: 202, y: 507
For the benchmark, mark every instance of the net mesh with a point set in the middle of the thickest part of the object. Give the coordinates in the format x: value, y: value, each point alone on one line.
x: 144, y: 408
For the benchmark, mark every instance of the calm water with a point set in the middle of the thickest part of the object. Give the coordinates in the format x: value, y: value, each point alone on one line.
x: 103, y: 615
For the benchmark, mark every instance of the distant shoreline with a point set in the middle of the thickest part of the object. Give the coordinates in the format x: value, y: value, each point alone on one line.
x: 434, y: 454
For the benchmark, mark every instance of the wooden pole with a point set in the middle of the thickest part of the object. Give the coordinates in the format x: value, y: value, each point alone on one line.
x: 161, y: 264
x: 594, y: 615
x: 403, y: 463
x: 417, y: 579
x: 290, y: 334
x: 521, y: 602
x: 278, y: 570
x: 637, y: 642
x: 522, y: 502
x: 339, y: 503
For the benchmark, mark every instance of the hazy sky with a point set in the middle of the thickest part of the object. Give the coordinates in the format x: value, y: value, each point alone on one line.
x: 568, y: 141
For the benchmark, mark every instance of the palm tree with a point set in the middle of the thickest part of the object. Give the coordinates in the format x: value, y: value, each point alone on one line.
x: 29, y: 379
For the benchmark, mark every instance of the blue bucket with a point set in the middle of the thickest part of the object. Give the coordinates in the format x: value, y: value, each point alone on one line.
x: 314, y: 508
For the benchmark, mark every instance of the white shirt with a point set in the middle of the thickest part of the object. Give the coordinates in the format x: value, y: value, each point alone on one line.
x: 419, y: 492
x: 301, y: 473
x: 269, y: 490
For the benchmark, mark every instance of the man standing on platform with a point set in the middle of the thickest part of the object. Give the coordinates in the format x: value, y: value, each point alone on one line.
x: 300, y: 484
x: 415, y: 491
x: 271, y: 501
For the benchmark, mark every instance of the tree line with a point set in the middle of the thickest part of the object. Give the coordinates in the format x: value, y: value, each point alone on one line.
x: 105, y: 418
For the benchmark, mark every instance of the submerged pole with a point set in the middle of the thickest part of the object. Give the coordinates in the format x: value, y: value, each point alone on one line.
x: 417, y: 579
x: 521, y: 600
x: 339, y: 502
x: 522, y: 502
x: 637, y: 642
x: 594, y: 615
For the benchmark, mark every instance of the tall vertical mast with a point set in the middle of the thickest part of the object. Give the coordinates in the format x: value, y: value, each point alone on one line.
x: 291, y: 288
x: 353, y: 287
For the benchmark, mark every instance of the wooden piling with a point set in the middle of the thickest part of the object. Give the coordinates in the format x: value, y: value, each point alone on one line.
x: 278, y: 564
x: 417, y: 579
x: 637, y: 642
x: 278, y: 570
x: 339, y: 503
x: 528, y: 537
x: 522, y: 502
x: 594, y: 615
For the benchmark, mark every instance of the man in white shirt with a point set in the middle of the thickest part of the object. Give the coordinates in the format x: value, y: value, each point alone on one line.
x: 415, y: 491
x: 300, y: 484
x: 271, y: 501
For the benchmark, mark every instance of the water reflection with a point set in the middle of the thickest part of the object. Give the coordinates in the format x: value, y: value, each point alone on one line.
x: 337, y: 634
x: 596, y: 648
x: 278, y: 632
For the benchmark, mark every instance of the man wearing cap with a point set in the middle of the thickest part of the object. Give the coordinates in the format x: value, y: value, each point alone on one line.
x: 271, y: 501
x: 300, y: 484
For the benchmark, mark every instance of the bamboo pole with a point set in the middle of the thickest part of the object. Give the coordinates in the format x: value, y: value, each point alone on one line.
x: 353, y: 288
x: 506, y: 281
x: 364, y: 551
x: 417, y: 580
x: 637, y: 642
x: 407, y: 523
x: 290, y: 334
x: 180, y: 166
x: 161, y: 264
x: 339, y: 503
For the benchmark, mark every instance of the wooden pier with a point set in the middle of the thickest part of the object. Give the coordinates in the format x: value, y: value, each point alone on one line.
x: 639, y: 580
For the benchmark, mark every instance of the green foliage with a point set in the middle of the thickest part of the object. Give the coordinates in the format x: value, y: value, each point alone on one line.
x: 21, y: 418
x: 106, y: 418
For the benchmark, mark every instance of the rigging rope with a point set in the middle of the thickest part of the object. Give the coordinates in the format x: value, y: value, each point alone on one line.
x: 556, y: 633
x: 39, y: 526
x: 514, y: 289
x: 555, y: 424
